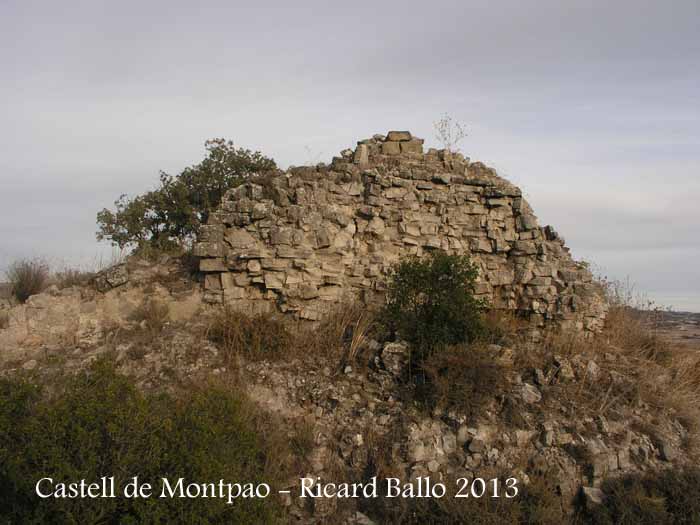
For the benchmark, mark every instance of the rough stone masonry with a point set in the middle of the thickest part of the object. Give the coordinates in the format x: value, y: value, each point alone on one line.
x: 313, y: 236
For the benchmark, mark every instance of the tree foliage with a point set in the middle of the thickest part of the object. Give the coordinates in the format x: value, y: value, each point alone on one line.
x: 173, y: 213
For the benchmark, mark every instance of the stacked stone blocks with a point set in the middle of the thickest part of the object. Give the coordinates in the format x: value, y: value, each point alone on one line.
x: 313, y: 236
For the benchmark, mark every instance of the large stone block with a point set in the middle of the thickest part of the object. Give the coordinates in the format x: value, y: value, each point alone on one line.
x: 212, y: 265
x: 391, y: 148
x: 480, y: 245
x: 211, y: 233
x: 525, y: 247
x: 208, y: 249
x: 238, y: 238
x: 361, y: 156
x: 274, y: 280
x: 398, y: 136
x: 395, y: 193
x: 527, y: 222
x: 412, y: 146
x: 212, y: 282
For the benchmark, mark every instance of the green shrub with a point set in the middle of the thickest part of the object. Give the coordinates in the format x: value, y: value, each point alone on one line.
x: 27, y: 277
x: 659, y: 498
x: 172, y: 213
x: 431, y: 303
x: 261, y: 336
x: 98, y: 424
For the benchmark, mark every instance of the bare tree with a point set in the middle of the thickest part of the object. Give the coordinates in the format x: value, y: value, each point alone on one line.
x: 449, y: 132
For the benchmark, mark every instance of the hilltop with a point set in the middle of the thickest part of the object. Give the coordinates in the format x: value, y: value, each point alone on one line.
x: 282, y: 305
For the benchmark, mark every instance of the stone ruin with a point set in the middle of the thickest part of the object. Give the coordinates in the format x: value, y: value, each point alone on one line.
x: 310, y: 237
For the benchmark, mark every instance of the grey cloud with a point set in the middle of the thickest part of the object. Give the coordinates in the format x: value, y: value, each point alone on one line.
x: 591, y: 106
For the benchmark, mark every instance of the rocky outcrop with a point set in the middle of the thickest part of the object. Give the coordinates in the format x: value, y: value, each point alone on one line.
x: 574, y: 419
x: 312, y: 235
x: 79, y: 316
x: 360, y: 425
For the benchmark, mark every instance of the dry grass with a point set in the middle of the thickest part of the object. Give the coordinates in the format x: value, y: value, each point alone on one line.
x: 303, y: 440
x: 71, y: 277
x: 667, y: 374
x: 342, y: 334
x: 668, y: 497
x: 464, y: 377
x: 638, y: 366
x: 502, y: 326
x: 27, y: 277
x: 340, y: 338
x: 263, y: 336
x: 4, y: 320
x: 152, y: 315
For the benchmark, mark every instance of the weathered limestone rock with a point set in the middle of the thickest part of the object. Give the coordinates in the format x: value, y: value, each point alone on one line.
x: 391, y: 148
x: 317, y: 235
x: 111, y: 278
x: 592, y: 496
x: 398, y: 136
x: 361, y: 156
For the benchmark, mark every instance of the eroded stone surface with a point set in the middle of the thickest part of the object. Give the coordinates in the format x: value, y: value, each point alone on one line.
x: 314, y: 235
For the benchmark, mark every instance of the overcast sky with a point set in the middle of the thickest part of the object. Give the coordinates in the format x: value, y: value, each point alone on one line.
x: 592, y: 107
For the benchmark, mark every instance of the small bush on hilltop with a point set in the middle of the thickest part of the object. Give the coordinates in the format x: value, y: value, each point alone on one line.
x: 98, y: 424
x: 171, y: 214
x: 27, y: 277
x: 431, y: 303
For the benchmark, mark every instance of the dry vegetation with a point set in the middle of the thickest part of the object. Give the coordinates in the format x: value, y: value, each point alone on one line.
x: 31, y: 276
x: 338, y: 338
x: 463, y: 377
x: 263, y: 336
x: 152, y: 315
x: 666, y: 498
x: 71, y: 277
x: 639, y: 369
x: 27, y: 277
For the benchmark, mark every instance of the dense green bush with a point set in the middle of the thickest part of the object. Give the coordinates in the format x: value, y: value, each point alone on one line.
x: 98, y: 424
x: 27, y: 277
x: 431, y: 303
x: 658, y: 498
x: 171, y: 214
